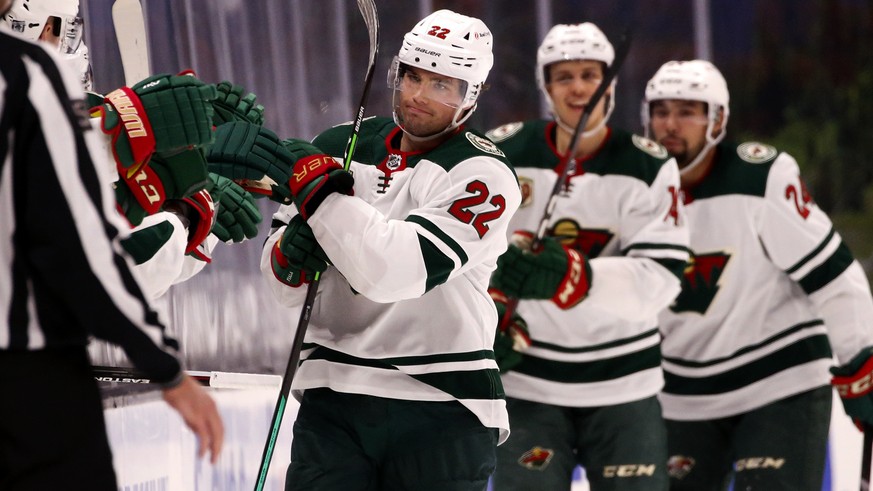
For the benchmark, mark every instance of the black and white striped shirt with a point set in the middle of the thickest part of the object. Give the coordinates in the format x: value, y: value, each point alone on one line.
x: 63, y: 274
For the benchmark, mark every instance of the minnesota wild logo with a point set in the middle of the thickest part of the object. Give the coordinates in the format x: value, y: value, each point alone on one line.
x: 700, y: 282
x: 587, y: 240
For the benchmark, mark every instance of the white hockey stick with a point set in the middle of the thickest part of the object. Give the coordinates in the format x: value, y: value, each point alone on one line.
x: 130, y: 32
x: 220, y: 380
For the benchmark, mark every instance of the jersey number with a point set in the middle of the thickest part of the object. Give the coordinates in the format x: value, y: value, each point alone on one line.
x: 460, y: 209
x: 674, y: 205
x: 801, y: 198
x: 438, y: 31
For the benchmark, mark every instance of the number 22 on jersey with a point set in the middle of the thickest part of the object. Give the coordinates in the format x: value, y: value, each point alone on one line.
x: 460, y: 209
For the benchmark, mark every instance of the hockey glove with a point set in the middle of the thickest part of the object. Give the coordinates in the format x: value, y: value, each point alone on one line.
x: 237, y: 215
x: 854, y: 384
x: 231, y: 105
x: 163, y: 114
x: 512, y: 335
x: 197, y: 212
x: 315, y: 177
x: 254, y: 158
x: 296, y: 257
x: 561, y: 274
x: 172, y: 177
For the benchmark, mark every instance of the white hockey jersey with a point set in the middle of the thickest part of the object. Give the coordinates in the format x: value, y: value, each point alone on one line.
x: 770, y: 281
x: 404, y: 312
x: 620, y: 207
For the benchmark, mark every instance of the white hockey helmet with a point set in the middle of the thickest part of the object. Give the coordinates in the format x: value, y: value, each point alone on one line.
x: 695, y: 80
x: 565, y: 42
x: 28, y: 17
x: 453, y: 45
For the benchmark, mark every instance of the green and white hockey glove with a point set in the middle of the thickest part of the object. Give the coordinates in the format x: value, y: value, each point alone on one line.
x: 316, y: 177
x: 231, y: 105
x: 512, y: 337
x: 237, y: 215
x: 253, y: 157
x: 296, y: 257
x: 161, y: 114
x: 197, y: 213
x: 555, y: 272
x: 174, y: 176
x: 854, y: 384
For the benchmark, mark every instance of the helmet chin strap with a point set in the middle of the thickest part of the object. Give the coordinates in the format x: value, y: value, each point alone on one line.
x: 710, y: 143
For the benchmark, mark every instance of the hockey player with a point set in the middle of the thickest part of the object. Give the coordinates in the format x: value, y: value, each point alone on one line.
x: 56, y: 22
x: 585, y: 391
x: 398, y: 384
x: 771, y: 294
x: 64, y: 278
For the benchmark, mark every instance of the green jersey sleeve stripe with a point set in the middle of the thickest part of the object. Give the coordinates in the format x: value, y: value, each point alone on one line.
x: 444, y: 237
x: 438, y: 265
x: 143, y: 244
x: 812, y: 254
x: 772, y: 339
x: 826, y: 272
x: 655, y: 246
x: 590, y: 371
x: 803, y: 351
x: 598, y: 347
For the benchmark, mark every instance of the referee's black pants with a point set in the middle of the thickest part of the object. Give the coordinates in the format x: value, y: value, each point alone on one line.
x: 52, y: 433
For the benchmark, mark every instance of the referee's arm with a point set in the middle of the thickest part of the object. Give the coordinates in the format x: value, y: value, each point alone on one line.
x: 69, y: 275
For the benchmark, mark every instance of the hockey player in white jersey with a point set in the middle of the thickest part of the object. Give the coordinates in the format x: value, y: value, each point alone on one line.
x: 399, y: 385
x: 585, y: 391
x: 772, y: 293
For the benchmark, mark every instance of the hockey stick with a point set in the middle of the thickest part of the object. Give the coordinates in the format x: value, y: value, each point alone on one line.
x: 221, y: 380
x: 569, y: 159
x: 133, y: 45
x: 867, y: 454
x: 371, y: 18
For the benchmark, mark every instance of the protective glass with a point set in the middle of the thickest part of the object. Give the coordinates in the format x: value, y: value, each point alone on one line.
x: 438, y: 88
x: 684, y: 116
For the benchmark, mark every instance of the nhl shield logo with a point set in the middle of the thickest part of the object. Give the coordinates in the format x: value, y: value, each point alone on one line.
x: 679, y: 466
x: 536, y: 458
x: 394, y: 161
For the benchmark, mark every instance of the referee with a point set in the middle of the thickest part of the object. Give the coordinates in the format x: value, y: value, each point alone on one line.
x: 63, y: 278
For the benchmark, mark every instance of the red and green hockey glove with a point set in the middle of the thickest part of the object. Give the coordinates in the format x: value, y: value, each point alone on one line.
x: 315, y: 178
x: 237, y: 215
x: 161, y: 114
x: 231, y: 105
x: 854, y: 384
x: 561, y: 274
x: 253, y: 157
x: 197, y: 212
x: 512, y: 335
x: 166, y: 177
x: 296, y: 257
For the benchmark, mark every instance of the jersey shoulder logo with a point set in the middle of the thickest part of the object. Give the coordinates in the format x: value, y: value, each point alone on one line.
x: 701, y: 282
x: 649, y: 146
x: 525, y: 185
x: 503, y: 132
x: 484, y: 144
x: 756, y: 153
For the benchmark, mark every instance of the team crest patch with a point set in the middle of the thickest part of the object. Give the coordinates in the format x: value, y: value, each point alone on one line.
x: 756, y: 153
x: 484, y: 144
x: 649, y: 146
x: 503, y: 132
x: 536, y: 458
x: 525, y: 185
x: 679, y: 466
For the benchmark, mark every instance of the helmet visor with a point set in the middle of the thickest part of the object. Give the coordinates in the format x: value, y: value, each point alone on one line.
x: 433, y: 86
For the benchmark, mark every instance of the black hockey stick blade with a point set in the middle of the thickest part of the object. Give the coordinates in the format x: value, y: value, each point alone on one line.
x: 866, y: 455
x: 371, y: 18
